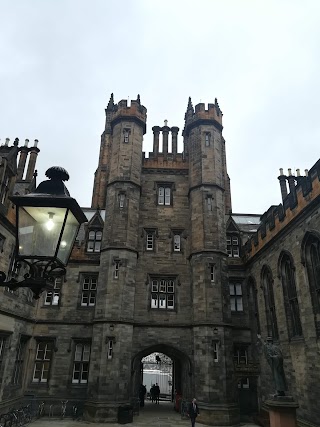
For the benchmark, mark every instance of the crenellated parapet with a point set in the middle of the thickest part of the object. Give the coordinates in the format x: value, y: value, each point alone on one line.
x: 122, y: 111
x: 211, y: 115
x: 303, y: 191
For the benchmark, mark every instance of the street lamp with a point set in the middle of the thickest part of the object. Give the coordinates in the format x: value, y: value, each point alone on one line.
x: 47, y: 223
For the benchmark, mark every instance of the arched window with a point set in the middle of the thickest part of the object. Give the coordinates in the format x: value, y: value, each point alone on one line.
x: 287, y: 274
x: 253, y: 304
x: 311, y: 260
x: 267, y: 281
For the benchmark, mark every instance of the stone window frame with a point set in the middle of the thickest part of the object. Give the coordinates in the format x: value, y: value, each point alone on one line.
x: 94, y: 237
x: 50, y: 295
x: 49, y: 342
x: 152, y: 290
x: 20, y: 359
x: 213, y: 273
x: 92, y: 291
x: 207, y: 139
x: 233, y: 244
x: 234, y: 286
x: 209, y: 202
x: 117, y: 263
x: 286, y: 273
x: 164, y: 185
x: 216, y: 345
x: 126, y: 134
x: 239, y: 348
x: 177, y: 232
x: 146, y: 234
x: 267, y: 283
x: 122, y: 199
x: 310, y: 258
x: 80, y: 342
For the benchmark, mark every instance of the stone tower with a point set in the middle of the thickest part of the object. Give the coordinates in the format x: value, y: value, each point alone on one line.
x: 117, y: 189
x: 163, y: 276
x: 209, y: 201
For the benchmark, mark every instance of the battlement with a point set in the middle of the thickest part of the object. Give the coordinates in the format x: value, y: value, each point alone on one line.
x: 6, y: 144
x: 176, y: 163
x: 211, y: 115
x: 122, y: 111
x: 304, y: 190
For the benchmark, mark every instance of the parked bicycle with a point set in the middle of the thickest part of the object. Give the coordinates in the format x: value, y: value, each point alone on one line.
x: 63, y: 408
x: 74, y: 412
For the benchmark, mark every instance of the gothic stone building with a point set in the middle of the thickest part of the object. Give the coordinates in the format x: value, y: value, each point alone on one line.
x: 163, y: 264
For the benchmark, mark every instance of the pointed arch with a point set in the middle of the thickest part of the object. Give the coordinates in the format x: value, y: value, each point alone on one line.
x: 270, y: 306
x: 286, y: 273
x: 310, y: 256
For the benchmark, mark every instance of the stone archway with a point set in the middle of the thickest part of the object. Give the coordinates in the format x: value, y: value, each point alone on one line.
x: 182, y: 369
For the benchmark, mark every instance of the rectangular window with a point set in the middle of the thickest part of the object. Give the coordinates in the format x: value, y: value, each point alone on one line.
x: 94, y: 241
x: 164, y: 195
x: 212, y: 273
x: 126, y: 133
x: 116, y: 269
x: 53, y: 297
x: 209, y: 203
x: 216, y: 351
x: 163, y: 294
x: 81, y: 364
x: 207, y: 139
x: 233, y: 248
x: 89, y: 291
x: 149, y: 243
x: 177, y: 243
x: 236, y: 296
x: 122, y: 198
x: 240, y: 355
x: 42, y: 362
x: 18, y: 364
x: 110, y: 349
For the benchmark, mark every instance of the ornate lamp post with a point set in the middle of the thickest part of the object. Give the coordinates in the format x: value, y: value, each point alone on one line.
x: 47, y: 223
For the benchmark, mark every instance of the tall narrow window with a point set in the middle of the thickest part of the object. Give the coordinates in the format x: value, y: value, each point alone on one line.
x: 216, y: 351
x: 233, y: 246
x: 312, y: 260
x: 290, y: 296
x: 116, y: 268
x: 272, y: 325
x: 18, y: 364
x: 110, y: 349
x: 240, y: 355
x: 207, y: 139
x: 42, y: 362
x: 236, y: 296
x: 177, y: 243
x: 163, y: 293
x: 81, y: 363
x: 209, y: 203
x: 94, y: 241
x: 126, y: 134
x: 53, y: 297
x: 253, y: 305
x: 122, y: 198
x: 150, y: 241
x: 89, y: 291
x: 164, y: 195
x: 212, y: 273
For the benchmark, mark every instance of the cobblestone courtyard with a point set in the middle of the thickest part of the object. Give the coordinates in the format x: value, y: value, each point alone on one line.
x: 151, y: 415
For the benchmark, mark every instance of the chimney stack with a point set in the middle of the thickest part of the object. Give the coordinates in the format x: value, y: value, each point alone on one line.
x: 283, y: 185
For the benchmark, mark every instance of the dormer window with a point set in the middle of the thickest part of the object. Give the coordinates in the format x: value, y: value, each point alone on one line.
x: 233, y: 248
x: 94, y: 241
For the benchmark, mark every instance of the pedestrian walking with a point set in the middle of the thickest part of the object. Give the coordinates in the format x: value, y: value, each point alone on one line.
x: 193, y: 411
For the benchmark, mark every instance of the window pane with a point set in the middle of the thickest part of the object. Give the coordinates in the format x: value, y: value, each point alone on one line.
x: 231, y: 287
x: 162, y: 286
x: 170, y: 299
x: 239, y: 304
x: 92, y: 235
x: 97, y: 246
x: 162, y: 301
x: 154, y: 301
x: 154, y: 286
x: 98, y: 235
x: 160, y: 196
x: 167, y: 196
x: 238, y: 289
x: 177, y: 242
x: 233, y: 303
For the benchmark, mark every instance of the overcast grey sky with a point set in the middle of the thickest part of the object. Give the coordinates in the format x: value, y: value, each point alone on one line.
x: 61, y: 59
